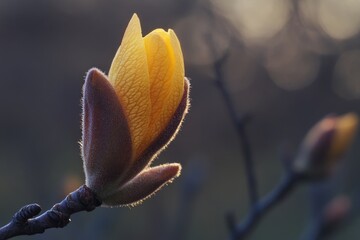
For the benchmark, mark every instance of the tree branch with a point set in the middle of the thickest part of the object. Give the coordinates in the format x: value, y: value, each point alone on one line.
x: 259, y: 207
x: 263, y: 206
x: 239, y: 123
x: 24, y: 223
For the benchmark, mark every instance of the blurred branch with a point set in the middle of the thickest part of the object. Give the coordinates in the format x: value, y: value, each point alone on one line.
x: 313, y: 162
x: 239, y: 123
x: 316, y: 230
x: 332, y: 216
x: 264, y: 205
x: 24, y: 221
x: 258, y: 207
x: 321, y: 227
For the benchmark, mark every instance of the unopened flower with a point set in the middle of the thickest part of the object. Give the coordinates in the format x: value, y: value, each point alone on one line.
x: 131, y: 115
x: 336, y: 210
x: 325, y: 144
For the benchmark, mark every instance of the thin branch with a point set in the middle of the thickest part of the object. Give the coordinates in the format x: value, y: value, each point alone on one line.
x: 320, y: 228
x: 315, y: 230
x: 239, y: 123
x: 230, y: 221
x: 263, y: 206
x: 332, y: 216
x: 24, y: 221
x: 258, y: 207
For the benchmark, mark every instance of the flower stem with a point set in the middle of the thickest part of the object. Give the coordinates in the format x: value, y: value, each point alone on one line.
x: 24, y: 221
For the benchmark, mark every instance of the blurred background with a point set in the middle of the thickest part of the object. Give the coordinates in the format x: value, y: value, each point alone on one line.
x: 289, y: 64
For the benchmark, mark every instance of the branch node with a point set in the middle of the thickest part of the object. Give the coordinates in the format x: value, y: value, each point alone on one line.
x: 24, y: 223
x: 26, y: 213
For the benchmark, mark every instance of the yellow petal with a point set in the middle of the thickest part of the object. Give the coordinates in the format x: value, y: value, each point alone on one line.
x: 161, y: 65
x: 129, y: 76
x: 166, y: 69
x: 176, y: 90
x: 177, y: 52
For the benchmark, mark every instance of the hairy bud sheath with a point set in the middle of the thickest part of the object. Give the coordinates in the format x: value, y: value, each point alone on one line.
x: 131, y: 115
x: 325, y: 144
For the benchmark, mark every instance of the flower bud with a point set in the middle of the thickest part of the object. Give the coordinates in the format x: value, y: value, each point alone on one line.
x: 132, y: 114
x: 325, y: 144
x: 337, y: 210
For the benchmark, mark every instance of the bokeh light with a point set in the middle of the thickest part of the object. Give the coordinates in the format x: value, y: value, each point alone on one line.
x: 346, y: 80
x: 198, y: 35
x: 256, y: 20
x: 311, y: 36
x: 290, y: 66
x: 241, y: 70
x: 339, y: 19
x: 70, y: 183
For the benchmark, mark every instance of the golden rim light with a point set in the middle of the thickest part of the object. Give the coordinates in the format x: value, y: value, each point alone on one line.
x: 132, y: 114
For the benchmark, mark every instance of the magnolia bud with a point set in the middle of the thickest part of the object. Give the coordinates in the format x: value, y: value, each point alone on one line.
x: 324, y: 145
x: 130, y: 116
x: 336, y: 210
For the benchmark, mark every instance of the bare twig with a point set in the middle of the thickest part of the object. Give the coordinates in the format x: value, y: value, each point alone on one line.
x: 319, y: 229
x: 239, y: 123
x: 332, y: 216
x: 264, y: 205
x: 24, y: 221
x: 258, y: 207
x: 231, y: 221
